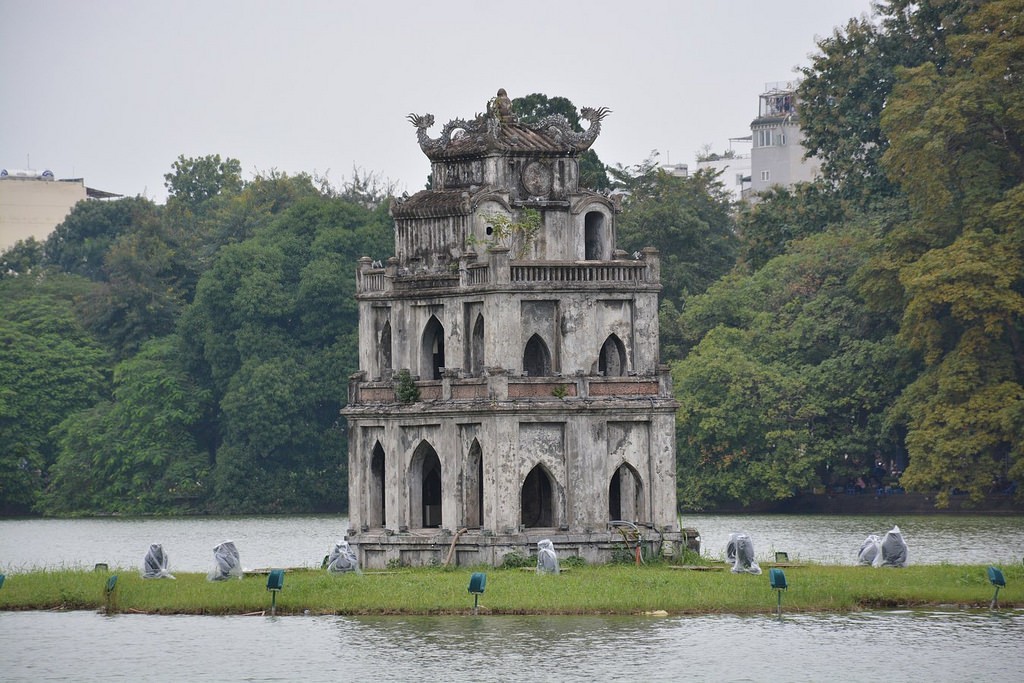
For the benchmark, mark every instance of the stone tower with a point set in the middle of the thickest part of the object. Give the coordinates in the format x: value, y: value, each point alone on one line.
x: 509, y: 387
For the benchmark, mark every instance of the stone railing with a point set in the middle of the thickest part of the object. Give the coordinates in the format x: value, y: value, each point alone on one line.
x: 603, y: 271
x: 372, y: 277
x: 497, y: 385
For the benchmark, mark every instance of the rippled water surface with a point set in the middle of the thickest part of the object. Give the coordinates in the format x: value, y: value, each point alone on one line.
x: 302, y: 541
x: 875, y: 646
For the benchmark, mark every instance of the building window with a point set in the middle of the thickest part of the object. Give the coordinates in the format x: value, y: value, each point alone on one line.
x: 536, y: 358
x: 612, y: 361
x: 766, y: 176
x: 764, y: 138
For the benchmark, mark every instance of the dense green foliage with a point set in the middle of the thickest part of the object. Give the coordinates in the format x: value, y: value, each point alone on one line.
x: 876, y: 316
x: 186, y: 358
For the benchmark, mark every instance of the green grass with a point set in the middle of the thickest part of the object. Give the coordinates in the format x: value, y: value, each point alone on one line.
x: 608, y: 589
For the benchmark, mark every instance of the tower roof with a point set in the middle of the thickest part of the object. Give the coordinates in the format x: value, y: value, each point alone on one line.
x: 498, y: 131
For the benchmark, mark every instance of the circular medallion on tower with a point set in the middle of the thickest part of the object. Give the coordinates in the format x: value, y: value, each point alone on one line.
x: 537, y: 179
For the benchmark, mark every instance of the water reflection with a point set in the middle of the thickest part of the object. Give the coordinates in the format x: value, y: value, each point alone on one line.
x: 908, y: 645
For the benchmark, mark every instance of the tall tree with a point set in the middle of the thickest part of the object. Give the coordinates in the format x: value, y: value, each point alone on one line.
x: 689, y: 220
x: 848, y: 83
x: 790, y: 376
x: 79, y: 244
x: 50, y: 367
x: 195, y: 180
x: 957, y: 149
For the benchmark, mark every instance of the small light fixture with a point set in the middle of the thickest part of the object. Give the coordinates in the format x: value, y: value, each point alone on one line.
x: 477, y: 582
x: 777, y: 580
x: 995, y: 577
x: 275, y: 582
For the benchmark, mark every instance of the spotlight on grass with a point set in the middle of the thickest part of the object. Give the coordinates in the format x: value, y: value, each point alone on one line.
x: 476, y: 587
x: 995, y: 577
x: 777, y: 580
x: 275, y: 582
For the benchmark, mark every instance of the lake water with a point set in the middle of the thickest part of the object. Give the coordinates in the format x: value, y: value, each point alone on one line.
x: 929, y: 645
x: 303, y: 540
x: 872, y: 646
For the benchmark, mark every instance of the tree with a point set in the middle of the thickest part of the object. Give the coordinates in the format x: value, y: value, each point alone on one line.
x: 22, y: 258
x: 790, y: 376
x: 137, y: 452
x: 688, y: 220
x: 274, y: 328
x: 848, y: 84
x: 79, y: 244
x: 956, y: 134
x: 782, y: 215
x: 50, y: 367
x: 534, y: 107
x: 195, y: 180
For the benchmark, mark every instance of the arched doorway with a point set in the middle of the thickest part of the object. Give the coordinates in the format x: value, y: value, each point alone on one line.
x: 537, y: 358
x: 384, y: 351
x: 593, y: 236
x: 612, y: 362
x: 626, y: 495
x: 476, y: 347
x: 433, y: 349
x: 537, y: 499
x: 425, y: 494
x: 376, y: 512
x: 474, y: 487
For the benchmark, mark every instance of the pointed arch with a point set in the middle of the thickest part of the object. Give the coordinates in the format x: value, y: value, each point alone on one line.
x: 474, y: 487
x: 432, y: 355
x: 536, y: 358
x: 537, y: 499
x: 626, y: 495
x: 376, y: 513
x: 425, y: 490
x: 476, y: 346
x: 612, y: 361
x: 384, y: 350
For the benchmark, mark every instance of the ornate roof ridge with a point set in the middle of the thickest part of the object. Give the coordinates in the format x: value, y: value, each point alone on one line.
x: 498, y: 129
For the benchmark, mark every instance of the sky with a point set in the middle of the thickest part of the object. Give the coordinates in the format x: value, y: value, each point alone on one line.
x: 114, y: 91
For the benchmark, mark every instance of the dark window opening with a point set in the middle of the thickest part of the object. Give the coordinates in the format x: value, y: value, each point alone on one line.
x: 385, y: 350
x: 433, y: 349
x: 425, y: 488
x: 626, y: 495
x: 476, y: 347
x: 612, y: 362
x: 537, y: 499
x: 377, y: 512
x: 475, y: 487
x: 593, y: 236
x: 537, y: 358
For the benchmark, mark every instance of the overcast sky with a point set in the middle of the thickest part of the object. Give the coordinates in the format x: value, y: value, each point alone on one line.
x: 113, y: 91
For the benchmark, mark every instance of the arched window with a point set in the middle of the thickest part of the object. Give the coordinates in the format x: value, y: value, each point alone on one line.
x: 376, y: 513
x: 626, y: 495
x: 612, y: 362
x: 474, y: 487
x: 384, y: 351
x: 476, y: 347
x: 594, y: 236
x: 433, y: 349
x: 537, y: 499
x: 537, y: 358
x: 425, y: 487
